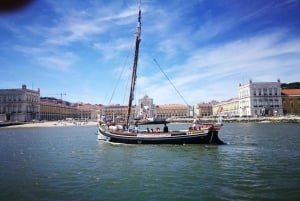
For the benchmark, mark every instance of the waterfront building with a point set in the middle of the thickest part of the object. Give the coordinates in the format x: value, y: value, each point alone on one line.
x: 88, y: 111
x: 228, y: 108
x: 172, y: 111
x: 96, y: 112
x: 145, y: 108
x: 204, y: 109
x: 56, y: 109
x: 119, y: 112
x: 260, y: 99
x: 116, y: 112
x: 291, y: 101
x: 19, y: 105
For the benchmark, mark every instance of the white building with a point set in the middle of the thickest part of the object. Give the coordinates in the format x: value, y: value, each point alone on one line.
x: 260, y: 99
x: 19, y: 104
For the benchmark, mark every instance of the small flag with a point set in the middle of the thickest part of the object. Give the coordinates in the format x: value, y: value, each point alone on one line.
x: 221, y: 109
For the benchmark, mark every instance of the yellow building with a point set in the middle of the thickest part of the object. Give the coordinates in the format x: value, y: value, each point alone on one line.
x: 291, y: 101
x: 88, y: 111
x: 229, y: 108
x: 171, y: 110
x: 116, y: 112
x: 55, y: 109
x: 119, y: 112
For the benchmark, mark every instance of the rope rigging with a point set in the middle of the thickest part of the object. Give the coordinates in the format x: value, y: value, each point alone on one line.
x: 157, y: 64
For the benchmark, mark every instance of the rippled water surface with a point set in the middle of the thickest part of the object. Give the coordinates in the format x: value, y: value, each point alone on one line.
x: 260, y: 162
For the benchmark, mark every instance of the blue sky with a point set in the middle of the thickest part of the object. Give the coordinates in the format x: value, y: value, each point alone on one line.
x: 206, y: 47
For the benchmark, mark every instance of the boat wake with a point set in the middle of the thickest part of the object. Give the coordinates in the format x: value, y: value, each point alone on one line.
x: 114, y: 143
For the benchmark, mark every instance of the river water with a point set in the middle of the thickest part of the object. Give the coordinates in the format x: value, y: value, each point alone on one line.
x: 259, y: 162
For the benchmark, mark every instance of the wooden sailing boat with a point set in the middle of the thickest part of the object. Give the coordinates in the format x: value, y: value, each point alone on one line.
x: 197, y: 134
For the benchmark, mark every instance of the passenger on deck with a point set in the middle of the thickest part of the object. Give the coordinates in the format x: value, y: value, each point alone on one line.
x: 194, y: 124
x: 166, y: 129
x: 136, y: 129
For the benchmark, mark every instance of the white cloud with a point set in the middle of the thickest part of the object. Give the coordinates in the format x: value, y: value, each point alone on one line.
x: 215, y: 72
x: 115, y: 48
x: 77, y: 26
x: 61, y: 62
x: 50, y: 58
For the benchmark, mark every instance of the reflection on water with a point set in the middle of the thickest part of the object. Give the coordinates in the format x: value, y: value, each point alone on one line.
x: 260, y: 162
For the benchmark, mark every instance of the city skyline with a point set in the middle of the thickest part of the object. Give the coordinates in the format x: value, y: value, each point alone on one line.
x: 206, y: 48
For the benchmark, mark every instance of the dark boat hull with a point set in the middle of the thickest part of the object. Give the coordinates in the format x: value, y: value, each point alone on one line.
x: 208, y: 138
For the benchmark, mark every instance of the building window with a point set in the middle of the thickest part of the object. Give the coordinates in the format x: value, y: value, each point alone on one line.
x: 271, y: 102
x: 265, y: 91
x: 255, y: 103
x: 276, y: 103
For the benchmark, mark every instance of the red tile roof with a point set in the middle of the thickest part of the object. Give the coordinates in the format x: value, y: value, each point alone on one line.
x: 291, y: 92
x: 88, y: 107
x: 205, y: 104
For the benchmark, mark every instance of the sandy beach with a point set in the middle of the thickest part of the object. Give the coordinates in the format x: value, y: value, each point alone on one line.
x: 54, y: 124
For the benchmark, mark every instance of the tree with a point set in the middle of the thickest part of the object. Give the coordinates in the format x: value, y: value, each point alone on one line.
x: 292, y: 85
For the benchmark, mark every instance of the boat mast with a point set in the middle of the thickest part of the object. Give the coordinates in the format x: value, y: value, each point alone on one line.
x: 134, y: 67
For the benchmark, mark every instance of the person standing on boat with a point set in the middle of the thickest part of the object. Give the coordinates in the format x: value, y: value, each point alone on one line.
x: 166, y: 129
x: 195, y: 122
x: 136, y: 128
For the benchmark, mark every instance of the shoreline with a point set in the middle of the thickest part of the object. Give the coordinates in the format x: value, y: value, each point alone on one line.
x: 282, y: 119
x: 47, y: 124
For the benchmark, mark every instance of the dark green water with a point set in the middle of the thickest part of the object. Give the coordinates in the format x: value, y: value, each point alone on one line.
x: 260, y: 162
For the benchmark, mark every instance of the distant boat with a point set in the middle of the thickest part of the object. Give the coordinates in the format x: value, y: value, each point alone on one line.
x: 131, y: 134
x: 153, y: 121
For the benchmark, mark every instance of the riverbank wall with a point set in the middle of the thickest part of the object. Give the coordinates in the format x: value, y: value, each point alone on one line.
x: 279, y: 119
x: 47, y: 124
